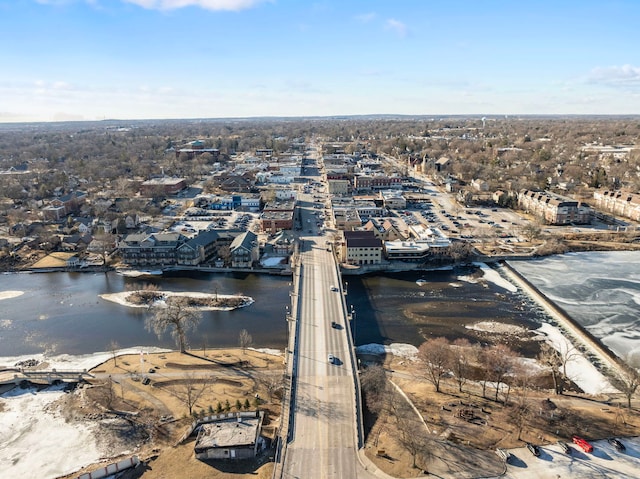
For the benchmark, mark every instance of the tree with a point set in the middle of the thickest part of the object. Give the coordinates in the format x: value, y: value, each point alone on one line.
x: 190, y: 389
x: 375, y: 388
x: 628, y: 382
x: 412, y: 435
x: 499, y: 361
x: 113, y: 347
x: 460, y: 356
x: 244, y: 340
x: 176, y: 315
x: 435, y: 356
x: 551, y: 358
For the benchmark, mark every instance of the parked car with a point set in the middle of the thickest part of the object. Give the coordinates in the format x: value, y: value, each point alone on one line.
x: 533, y: 449
x: 582, y: 443
x: 565, y: 447
x: 616, y: 443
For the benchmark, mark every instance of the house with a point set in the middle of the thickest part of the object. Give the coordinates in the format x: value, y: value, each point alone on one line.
x: 230, y: 436
x: 244, y: 250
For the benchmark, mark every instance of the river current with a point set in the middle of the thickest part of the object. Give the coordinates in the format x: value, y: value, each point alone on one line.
x: 62, y: 313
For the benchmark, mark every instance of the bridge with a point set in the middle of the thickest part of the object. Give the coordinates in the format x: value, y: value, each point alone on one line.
x: 321, y: 434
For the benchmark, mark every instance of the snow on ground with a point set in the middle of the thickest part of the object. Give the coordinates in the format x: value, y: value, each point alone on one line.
x: 604, y: 462
x: 579, y: 369
x: 121, y: 298
x: 397, y: 349
x: 496, y: 327
x: 272, y: 352
x: 272, y: 261
x: 35, y: 440
x: 494, y: 277
x: 66, y: 362
x: 10, y: 294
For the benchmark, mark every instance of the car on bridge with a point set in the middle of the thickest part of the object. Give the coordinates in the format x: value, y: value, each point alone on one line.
x: 331, y: 358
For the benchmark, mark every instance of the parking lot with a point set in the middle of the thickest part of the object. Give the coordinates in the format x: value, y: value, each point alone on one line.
x: 604, y: 461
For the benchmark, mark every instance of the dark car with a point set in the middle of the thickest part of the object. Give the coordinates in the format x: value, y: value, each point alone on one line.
x: 616, y: 443
x: 533, y: 449
x: 334, y: 324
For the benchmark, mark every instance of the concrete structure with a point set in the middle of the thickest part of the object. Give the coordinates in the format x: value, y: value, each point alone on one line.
x: 555, y: 209
x: 236, y: 437
x: 406, y: 250
x: 394, y: 200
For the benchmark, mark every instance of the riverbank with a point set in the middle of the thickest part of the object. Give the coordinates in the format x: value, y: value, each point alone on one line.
x: 114, y: 415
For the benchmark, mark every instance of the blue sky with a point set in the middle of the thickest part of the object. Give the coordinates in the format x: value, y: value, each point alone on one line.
x: 136, y: 59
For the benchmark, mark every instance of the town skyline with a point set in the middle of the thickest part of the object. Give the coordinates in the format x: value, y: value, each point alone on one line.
x: 170, y: 59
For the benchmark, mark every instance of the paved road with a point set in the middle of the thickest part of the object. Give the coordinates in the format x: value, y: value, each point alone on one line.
x: 323, y: 431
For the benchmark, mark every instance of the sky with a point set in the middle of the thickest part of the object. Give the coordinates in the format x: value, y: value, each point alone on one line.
x: 155, y: 59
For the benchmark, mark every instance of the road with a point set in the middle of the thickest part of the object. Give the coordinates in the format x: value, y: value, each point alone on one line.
x: 323, y: 431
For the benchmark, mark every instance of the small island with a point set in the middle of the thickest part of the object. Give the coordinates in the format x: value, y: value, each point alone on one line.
x: 202, y: 301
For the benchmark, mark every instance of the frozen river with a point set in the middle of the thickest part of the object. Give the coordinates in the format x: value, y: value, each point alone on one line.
x: 600, y: 290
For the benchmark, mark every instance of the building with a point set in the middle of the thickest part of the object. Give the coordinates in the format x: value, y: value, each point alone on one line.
x: 277, y: 216
x: 230, y: 436
x: 244, y: 250
x: 619, y: 203
x: 162, y: 186
x: 361, y: 248
x: 367, y: 183
x: 198, y: 249
x: 156, y: 249
x: 406, y: 250
x: 393, y: 200
x: 59, y: 208
x: 339, y: 187
x: 555, y: 209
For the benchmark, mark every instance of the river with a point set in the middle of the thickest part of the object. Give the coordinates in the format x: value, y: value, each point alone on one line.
x: 62, y: 313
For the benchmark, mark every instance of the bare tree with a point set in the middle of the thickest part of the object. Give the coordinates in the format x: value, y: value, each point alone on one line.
x: 435, y: 356
x: 628, y: 382
x: 460, y: 356
x: 190, y: 389
x: 113, y: 347
x: 375, y: 387
x: 500, y: 361
x: 413, y: 434
x: 245, y: 340
x: 176, y: 315
x: 272, y: 383
x: 551, y: 358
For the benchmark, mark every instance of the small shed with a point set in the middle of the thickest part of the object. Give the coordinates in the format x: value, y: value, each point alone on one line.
x: 233, y: 438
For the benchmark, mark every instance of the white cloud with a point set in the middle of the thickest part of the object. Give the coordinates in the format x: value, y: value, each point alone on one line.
x: 396, y: 26
x: 366, y: 17
x: 617, y: 76
x: 231, y: 5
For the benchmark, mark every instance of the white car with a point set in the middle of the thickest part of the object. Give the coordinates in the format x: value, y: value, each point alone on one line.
x: 334, y: 288
x: 331, y: 358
